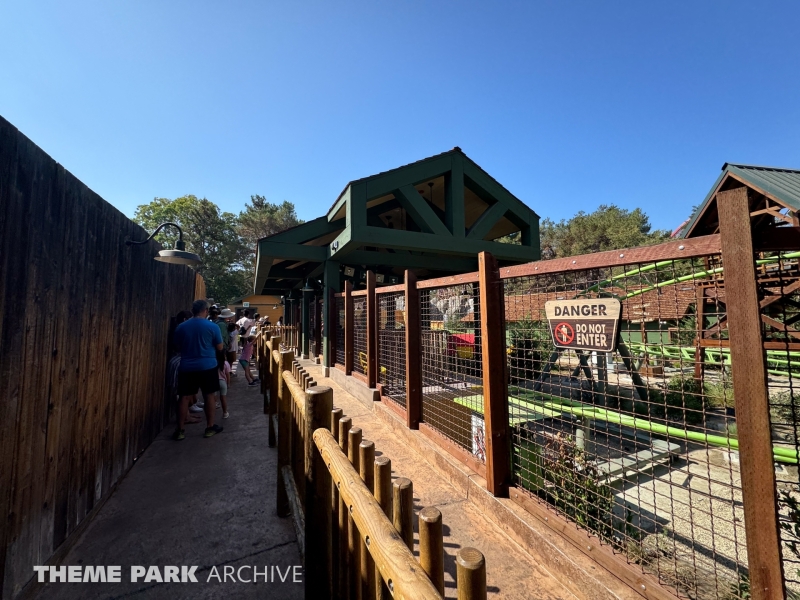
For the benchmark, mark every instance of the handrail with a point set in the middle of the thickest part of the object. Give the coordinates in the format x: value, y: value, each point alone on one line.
x: 297, y: 392
x: 396, y: 563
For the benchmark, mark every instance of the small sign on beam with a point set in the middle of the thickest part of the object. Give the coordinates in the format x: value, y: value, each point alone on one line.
x: 584, y: 324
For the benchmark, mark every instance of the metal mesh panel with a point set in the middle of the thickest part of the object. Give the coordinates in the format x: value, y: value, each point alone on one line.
x: 392, y: 346
x: 451, y: 365
x: 778, y: 281
x: 339, y: 324
x: 638, y: 446
x: 360, y: 334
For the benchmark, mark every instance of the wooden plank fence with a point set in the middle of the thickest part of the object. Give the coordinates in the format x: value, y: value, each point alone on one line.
x: 83, y: 353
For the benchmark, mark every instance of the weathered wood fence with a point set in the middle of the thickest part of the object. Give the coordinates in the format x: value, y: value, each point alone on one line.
x: 354, y: 524
x: 83, y: 353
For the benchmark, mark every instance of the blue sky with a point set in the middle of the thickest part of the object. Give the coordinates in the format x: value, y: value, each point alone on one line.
x: 568, y: 104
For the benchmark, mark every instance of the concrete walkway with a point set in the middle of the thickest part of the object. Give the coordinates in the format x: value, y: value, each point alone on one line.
x: 510, y: 572
x: 199, y: 502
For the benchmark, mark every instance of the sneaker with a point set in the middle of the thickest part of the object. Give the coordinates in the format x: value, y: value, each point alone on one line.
x: 178, y: 435
x: 254, y: 382
x: 201, y: 404
x: 225, y: 415
x: 212, y: 431
x: 195, y: 408
x: 218, y: 404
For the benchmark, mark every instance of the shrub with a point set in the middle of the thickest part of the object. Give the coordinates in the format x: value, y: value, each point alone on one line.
x: 529, y: 348
x: 683, y: 399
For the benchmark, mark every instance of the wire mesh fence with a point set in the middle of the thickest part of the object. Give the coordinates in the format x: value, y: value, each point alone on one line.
x: 639, y: 445
x: 392, y: 346
x: 339, y: 329
x: 360, y: 334
x: 779, y: 281
x: 452, y: 374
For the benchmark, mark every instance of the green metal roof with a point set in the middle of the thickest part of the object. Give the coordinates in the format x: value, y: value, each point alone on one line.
x: 779, y: 184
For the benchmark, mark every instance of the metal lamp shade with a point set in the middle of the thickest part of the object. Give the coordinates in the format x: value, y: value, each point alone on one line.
x: 178, y: 257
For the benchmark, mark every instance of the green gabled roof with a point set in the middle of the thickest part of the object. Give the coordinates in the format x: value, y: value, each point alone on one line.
x: 779, y: 184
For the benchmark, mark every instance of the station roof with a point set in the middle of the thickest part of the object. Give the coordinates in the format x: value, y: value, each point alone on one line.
x: 777, y: 194
x: 433, y: 216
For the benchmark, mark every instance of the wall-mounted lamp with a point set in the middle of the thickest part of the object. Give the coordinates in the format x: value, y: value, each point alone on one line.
x: 379, y: 278
x: 308, y: 287
x: 178, y: 256
x: 349, y: 271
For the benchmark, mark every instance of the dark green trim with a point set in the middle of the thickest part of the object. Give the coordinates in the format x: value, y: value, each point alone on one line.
x: 481, y: 228
x: 386, y: 183
x: 308, y: 231
x: 454, y: 198
x: 419, y: 210
x: 410, y: 261
x: 292, y: 251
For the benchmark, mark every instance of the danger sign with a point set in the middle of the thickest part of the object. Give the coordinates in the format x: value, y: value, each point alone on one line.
x: 584, y: 324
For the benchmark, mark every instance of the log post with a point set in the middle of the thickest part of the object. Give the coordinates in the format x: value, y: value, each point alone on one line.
x: 344, y: 515
x: 349, y: 328
x: 366, y: 463
x: 383, y: 494
x: 403, y: 504
x: 284, y: 432
x: 336, y: 414
x: 353, y: 537
x: 495, y: 382
x: 372, y: 333
x: 319, y: 402
x: 748, y: 364
x: 413, y: 352
x: 470, y: 574
x: 273, y: 390
x: 431, y: 546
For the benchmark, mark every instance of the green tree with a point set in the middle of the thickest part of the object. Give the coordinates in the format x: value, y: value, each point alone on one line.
x: 209, y: 233
x: 261, y: 219
x: 607, y: 228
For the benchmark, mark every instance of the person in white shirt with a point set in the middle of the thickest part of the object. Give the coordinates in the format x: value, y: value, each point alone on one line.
x: 245, y: 323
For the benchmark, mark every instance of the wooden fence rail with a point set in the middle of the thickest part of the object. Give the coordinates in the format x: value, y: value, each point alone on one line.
x: 355, y: 527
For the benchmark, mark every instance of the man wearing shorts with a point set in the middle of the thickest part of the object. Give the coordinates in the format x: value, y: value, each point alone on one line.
x: 198, y: 341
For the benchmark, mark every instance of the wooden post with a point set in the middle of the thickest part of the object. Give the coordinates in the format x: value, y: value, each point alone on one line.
x: 353, y: 537
x: 317, y: 328
x: 349, y: 328
x: 470, y: 574
x: 495, y: 384
x: 431, y: 545
x: 699, y: 350
x: 413, y: 353
x: 366, y: 463
x: 372, y: 333
x: 403, y: 503
x: 273, y: 391
x: 284, y: 432
x: 336, y: 414
x: 319, y: 402
x: 383, y: 494
x: 344, y: 514
x: 750, y: 391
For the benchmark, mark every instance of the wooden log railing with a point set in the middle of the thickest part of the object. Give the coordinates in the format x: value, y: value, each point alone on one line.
x: 355, y: 526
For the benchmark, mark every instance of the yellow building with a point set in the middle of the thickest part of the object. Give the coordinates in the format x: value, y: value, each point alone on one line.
x: 266, y: 306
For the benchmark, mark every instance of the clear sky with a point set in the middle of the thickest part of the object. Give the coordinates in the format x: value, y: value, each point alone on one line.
x: 568, y: 104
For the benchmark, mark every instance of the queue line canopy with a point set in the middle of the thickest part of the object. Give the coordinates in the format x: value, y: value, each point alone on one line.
x: 433, y: 216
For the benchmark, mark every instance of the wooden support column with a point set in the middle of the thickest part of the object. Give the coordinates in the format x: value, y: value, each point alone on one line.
x: 317, y: 328
x: 349, y: 328
x: 413, y: 353
x: 372, y: 333
x: 305, y: 318
x: 285, y: 404
x: 333, y: 284
x: 699, y: 350
x: 495, y: 383
x: 748, y: 363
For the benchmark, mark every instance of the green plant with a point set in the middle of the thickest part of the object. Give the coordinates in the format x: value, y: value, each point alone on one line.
x: 720, y: 393
x: 683, y: 399
x: 733, y: 430
x: 529, y: 348
x: 784, y: 408
x: 578, y: 488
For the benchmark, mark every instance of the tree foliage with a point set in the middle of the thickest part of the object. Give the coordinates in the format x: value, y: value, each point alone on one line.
x: 209, y: 233
x: 224, y: 241
x: 607, y: 228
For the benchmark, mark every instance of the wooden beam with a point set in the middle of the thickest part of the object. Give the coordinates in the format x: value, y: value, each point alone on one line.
x: 285, y: 251
x: 748, y: 362
x: 413, y: 353
x: 410, y: 261
x: 426, y: 242
x: 349, y: 327
x: 424, y: 170
x: 777, y: 238
x: 488, y: 219
x: 454, y: 198
x: 419, y: 210
x: 779, y: 326
x: 485, y: 185
x: 372, y: 332
x: 307, y: 231
x: 495, y: 383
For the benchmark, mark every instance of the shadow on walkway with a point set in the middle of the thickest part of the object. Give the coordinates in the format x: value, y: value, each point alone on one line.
x: 200, y: 502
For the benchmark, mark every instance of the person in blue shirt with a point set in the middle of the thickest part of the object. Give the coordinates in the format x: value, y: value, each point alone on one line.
x: 198, y: 341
